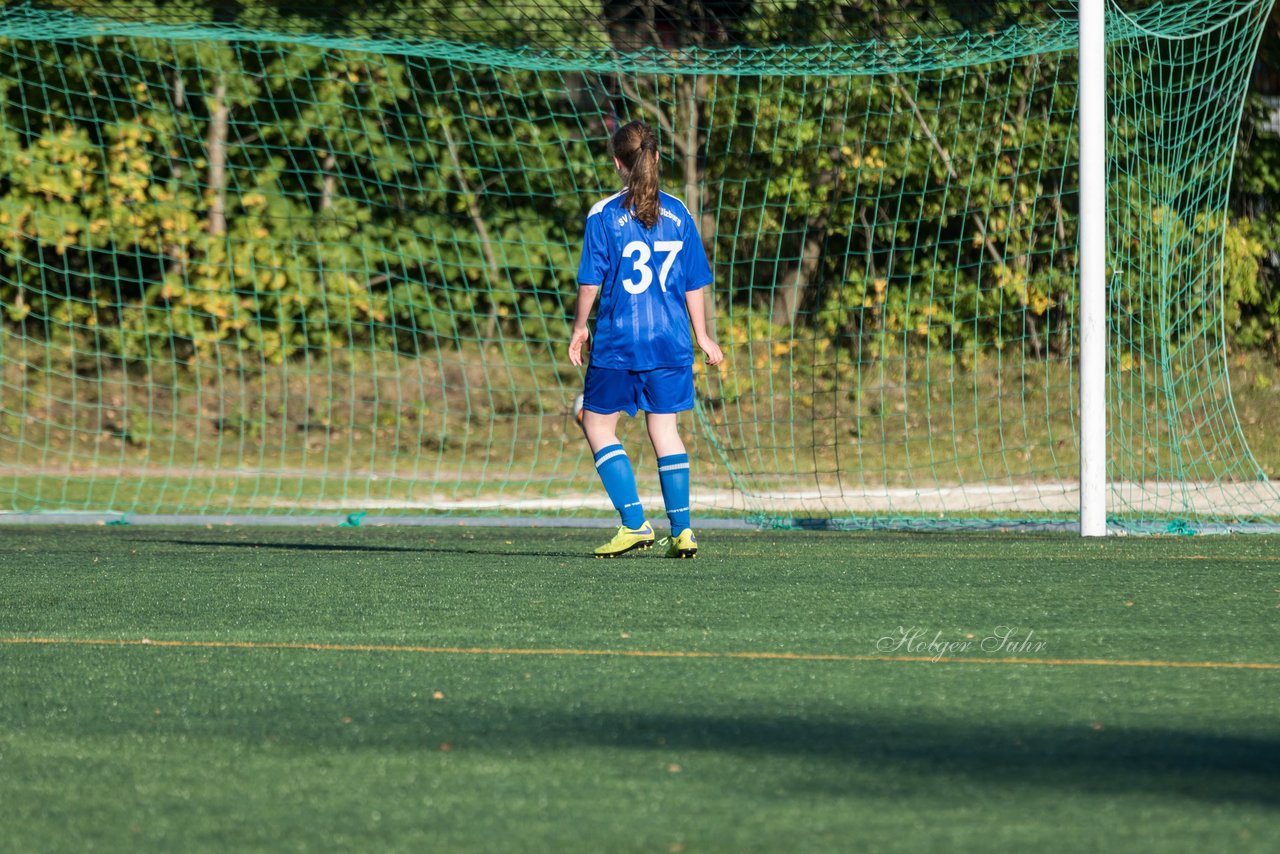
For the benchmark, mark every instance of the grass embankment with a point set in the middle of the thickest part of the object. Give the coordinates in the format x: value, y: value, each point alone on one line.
x: 359, y: 430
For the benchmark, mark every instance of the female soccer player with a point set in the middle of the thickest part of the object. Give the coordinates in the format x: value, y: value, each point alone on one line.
x: 642, y: 255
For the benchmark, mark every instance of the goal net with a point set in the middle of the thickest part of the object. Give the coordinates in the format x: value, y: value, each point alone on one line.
x: 280, y: 261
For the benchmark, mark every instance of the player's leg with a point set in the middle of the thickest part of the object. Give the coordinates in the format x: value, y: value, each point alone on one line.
x: 614, y: 467
x: 601, y: 428
x: 668, y: 395
x: 606, y: 396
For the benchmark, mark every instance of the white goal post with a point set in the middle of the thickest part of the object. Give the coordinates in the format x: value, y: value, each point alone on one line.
x: 1093, y: 269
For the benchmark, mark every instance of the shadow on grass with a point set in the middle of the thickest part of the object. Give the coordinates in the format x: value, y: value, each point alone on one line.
x: 874, y: 757
x: 363, y: 549
x: 978, y: 759
x: 864, y: 755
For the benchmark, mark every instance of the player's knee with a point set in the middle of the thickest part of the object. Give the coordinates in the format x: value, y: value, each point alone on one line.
x: 664, y: 432
x: 599, y: 429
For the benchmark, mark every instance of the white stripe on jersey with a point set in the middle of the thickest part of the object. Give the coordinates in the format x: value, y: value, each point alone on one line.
x: 682, y: 204
x: 599, y: 206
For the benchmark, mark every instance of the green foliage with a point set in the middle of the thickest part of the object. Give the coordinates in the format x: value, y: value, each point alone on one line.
x: 345, y: 220
x: 190, y: 196
x: 1252, y: 293
x: 1253, y: 301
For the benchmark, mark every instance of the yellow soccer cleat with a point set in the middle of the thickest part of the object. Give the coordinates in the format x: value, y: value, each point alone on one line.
x: 683, y: 545
x: 627, y: 539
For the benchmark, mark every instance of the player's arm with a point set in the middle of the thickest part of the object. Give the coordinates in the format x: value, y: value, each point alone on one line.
x: 586, y: 299
x: 592, y: 271
x: 694, y: 301
x: 698, y: 272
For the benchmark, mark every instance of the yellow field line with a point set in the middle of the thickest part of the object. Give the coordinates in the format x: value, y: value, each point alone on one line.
x: 634, y: 653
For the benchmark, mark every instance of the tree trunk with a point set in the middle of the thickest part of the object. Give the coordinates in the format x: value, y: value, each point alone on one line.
x: 692, y: 94
x: 481, y: 227
x: 329, y: 185
x: 173, y: 250
x: 790, y: 292
x: 219, y: 117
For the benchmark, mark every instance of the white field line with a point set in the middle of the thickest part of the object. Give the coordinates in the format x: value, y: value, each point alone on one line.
x: 1156, y: 498
x: 519, y: 491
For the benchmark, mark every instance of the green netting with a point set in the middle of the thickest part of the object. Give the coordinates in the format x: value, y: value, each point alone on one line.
x: 292, y: 264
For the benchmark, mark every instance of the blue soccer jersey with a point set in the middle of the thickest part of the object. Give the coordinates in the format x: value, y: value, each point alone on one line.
x: 643, y: 273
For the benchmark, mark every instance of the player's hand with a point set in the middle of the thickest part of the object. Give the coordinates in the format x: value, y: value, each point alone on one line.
x: 714, y: 355
x: 575, y: 345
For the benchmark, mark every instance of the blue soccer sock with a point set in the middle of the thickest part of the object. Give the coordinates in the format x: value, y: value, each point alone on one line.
x: 673, y: 471
x: 620, y: 482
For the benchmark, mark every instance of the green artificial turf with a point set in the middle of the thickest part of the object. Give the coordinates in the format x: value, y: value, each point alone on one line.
x: 231, y: 746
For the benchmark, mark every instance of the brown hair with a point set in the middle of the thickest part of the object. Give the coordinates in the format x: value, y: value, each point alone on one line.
x: 635, y: 145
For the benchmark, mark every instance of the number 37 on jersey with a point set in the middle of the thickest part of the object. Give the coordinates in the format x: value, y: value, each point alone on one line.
x: 637, y: 252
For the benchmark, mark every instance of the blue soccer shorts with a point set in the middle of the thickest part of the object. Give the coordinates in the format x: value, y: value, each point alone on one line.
x: 661, y: 390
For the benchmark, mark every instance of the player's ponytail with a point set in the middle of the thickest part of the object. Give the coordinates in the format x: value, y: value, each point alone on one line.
x: 635, y: 145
